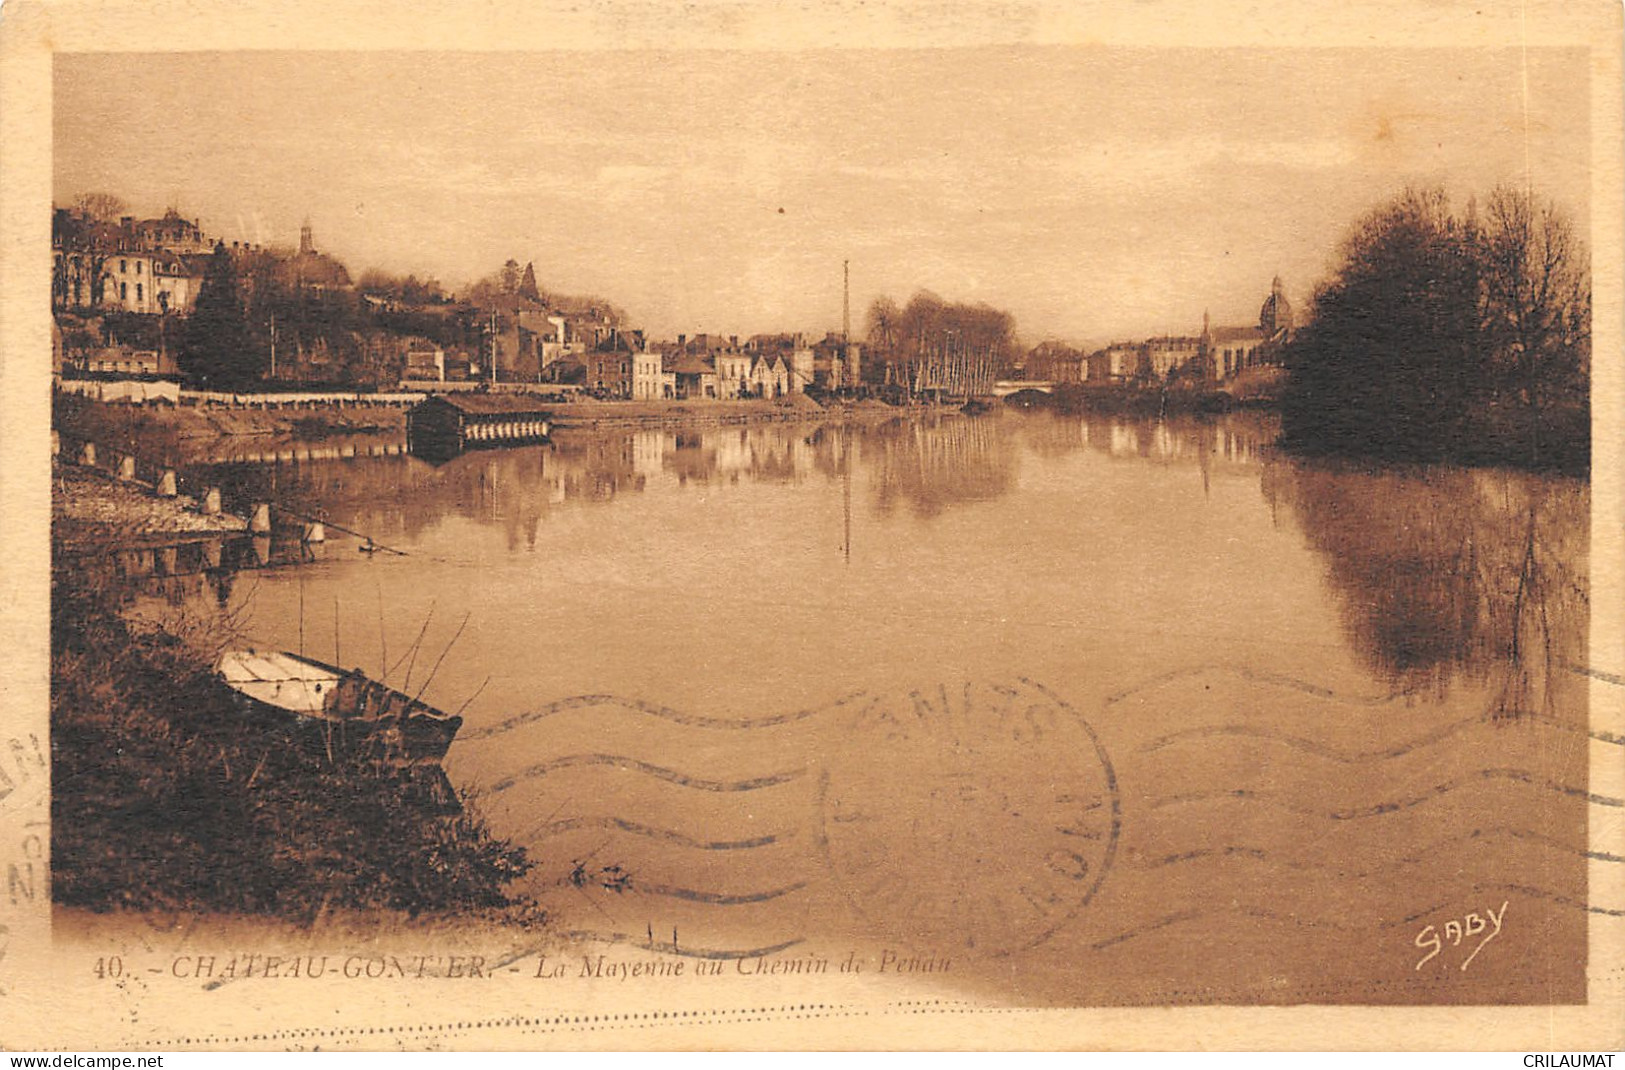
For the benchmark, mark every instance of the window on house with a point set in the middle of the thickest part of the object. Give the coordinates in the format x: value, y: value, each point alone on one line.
x: 138, y: 267
x: 123, y: 265
x: 138, y: 292
x: 123, y: 291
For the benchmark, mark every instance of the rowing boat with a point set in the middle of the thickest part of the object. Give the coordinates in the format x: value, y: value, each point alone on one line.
x: 343, y: 709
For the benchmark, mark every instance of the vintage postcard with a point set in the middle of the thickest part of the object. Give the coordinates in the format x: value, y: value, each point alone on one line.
x: 732, y: 525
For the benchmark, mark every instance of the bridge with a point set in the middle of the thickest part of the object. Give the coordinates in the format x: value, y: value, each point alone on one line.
x: 1005, y: 387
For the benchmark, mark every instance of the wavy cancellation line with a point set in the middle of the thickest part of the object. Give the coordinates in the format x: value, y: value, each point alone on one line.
x: 1256, y: 676
x: 1317, y: 691
x: 1182, y: 916
x: 1377, y: 809
x: 658, y: 772
x: 613, y: 823
x: 1338, y: 754
x: 718, y: 899
x: 1425, y: 854
x: 651, y: 709
x: 635, y: 886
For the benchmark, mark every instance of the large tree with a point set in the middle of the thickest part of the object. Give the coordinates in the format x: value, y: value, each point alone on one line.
x: 1444, y: 336
x: 1390, y: 366
x: 511, y: 276
x: 217, y: 353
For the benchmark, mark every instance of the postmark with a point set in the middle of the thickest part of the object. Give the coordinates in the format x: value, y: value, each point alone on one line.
x: 980, y: 817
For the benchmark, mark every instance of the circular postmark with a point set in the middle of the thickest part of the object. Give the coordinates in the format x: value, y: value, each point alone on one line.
x: 980, y: 817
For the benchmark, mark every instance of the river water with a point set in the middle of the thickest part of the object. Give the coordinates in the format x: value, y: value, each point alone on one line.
x: 1092, y: 710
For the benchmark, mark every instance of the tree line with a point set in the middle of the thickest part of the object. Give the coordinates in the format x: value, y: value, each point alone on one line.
x: 936, y: 345
x: 1449, y: 336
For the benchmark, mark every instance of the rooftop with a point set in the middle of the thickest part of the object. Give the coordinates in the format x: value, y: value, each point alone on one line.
x: 481, y: 404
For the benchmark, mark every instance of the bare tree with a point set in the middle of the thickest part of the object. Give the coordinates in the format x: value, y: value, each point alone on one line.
x: 882, y: 334
x: 101, y: 207
x: 1537, y: 299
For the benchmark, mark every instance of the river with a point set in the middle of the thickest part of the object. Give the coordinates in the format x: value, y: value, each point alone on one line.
x: 1091, y: 710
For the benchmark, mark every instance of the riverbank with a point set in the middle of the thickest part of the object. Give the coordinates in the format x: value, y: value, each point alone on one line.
x: 1143, y: 402
x: 207, y: 433
x: 184, y: 434
x: 164, y: 800
x: 1493, y: 436
x: 92, y: 511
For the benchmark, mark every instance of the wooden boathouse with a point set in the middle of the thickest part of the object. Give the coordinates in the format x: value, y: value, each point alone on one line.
x: 449, y: 423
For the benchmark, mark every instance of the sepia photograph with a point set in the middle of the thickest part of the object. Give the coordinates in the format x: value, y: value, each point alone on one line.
x: 959, y: 524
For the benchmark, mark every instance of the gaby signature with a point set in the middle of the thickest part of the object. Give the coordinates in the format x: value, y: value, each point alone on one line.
x: 1455, y: 931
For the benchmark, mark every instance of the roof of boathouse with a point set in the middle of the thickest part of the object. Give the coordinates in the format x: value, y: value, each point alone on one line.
x: 474, y: 403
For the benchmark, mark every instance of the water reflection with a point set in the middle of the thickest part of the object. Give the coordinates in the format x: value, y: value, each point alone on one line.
x: 187, y: 571
x: 1287, y: 665
x: 932, y: 466
x: 1436, y: 573
x: 1443, y: 572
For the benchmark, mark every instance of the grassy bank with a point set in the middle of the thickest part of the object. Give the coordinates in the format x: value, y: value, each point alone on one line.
x: 164, y: 799
x: 173, y: 434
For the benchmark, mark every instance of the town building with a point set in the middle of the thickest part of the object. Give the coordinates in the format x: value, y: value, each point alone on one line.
x: 1167, y: 354
x: 609, y: 368
x: 732, y: 363
x: 127, y: 266
x: 768, y: 377
x: 1054, y: 362
x: 791, y: 349
x: 1120, y: 362
x: 650, y: 380
x: 171, y: 233
x: 1228, y: 351
x: 124, y: 360
x: 1275, y: 319
x: 693, y: 376
x: 425, y: 361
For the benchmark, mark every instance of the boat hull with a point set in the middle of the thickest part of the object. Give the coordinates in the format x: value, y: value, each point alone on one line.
x: 337, y: 712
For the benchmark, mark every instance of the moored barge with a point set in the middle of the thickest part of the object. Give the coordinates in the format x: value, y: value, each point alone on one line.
x: 445, y: 424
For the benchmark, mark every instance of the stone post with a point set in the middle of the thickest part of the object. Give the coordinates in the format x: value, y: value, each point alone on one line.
x: 259, y: 519
x: 166, y: 483
x: 87, y: 455
x: 211, y: 501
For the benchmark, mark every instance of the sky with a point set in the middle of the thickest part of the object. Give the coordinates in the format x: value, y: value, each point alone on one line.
x: 1097, y: 193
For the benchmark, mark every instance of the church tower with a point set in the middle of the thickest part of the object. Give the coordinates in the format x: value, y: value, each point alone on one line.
x: 307, y: 244
x: 1275, y: 318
